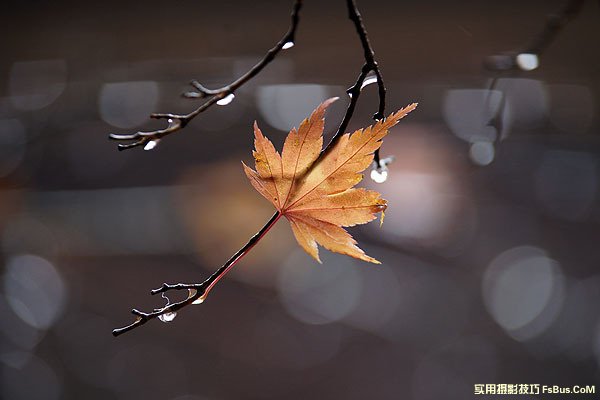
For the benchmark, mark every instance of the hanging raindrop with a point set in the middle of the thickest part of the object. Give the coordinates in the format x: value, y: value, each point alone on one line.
x: 379, y: 175
x: 287, y: 45
x: 151, y: 144
x: 482, y: 153
x: 528, y: 61
x: 192, y: 293
x: 167, y: 317
x: 199, y: 300
x: 226, y: 100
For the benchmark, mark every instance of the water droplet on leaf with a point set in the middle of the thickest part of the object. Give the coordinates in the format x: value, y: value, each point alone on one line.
x: 167, y: 317
x: 226, y: 100
x: 379, y: 175
x: 151, y: 144
x: 288, y: 45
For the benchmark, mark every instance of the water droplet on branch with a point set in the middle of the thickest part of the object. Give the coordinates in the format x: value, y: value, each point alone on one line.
x: 151, y: 144
x: 192, y: 292
x: 287, y: 45
x: 528, y: 61
x: 369, y: 79
x: 226, y: 100
x: 379, y: 175
x: 167, y: 317
x: 482, y: 152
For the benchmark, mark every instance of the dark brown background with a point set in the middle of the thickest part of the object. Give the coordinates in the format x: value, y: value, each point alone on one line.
x: 490, y: 272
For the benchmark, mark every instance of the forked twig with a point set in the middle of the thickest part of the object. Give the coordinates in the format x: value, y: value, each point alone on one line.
x: 177, y: 122
x: 197, y: 292
x: 370, y: 66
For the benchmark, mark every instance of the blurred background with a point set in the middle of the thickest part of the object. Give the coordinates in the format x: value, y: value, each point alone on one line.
x: 490, y: 261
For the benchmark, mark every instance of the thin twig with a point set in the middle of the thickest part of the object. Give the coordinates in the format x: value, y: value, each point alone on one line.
x: 506, y: 63
x: 370, y: 65
x: 554, y: 24
x: 197, y: 291
x: 177, y: 122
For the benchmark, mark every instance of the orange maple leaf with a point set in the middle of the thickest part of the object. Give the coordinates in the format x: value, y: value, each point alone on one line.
x: 317, y: 194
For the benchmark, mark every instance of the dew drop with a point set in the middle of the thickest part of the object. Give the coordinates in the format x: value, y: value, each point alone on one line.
x: 226, y: 100
x: 167, y: 317
x: 482, y: 153
x: 192, y: 293
x: 151, y: 144
x: 199, y: 300
x: 378, y: 175
x: 528, y: 61
x: 287, y: 45
x: 370, y: 79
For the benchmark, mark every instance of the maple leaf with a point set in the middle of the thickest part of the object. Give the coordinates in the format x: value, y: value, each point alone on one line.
x: 316, y: 193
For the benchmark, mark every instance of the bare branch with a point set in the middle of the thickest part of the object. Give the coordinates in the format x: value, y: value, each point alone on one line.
x: 369, y: 66
x: 197, y: 291
x: 179, y: 121
x: 143, y: 317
